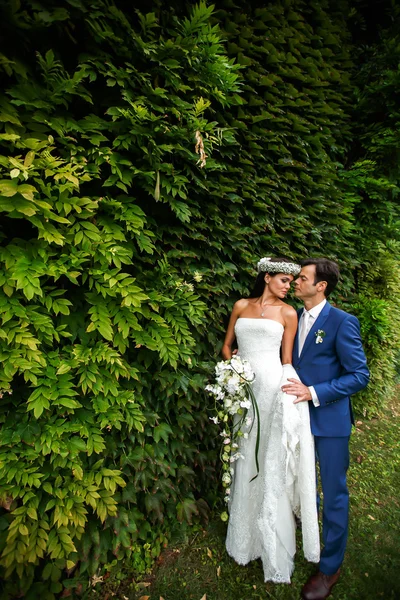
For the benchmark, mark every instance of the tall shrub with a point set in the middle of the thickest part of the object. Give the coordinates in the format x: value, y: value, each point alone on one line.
x: 98, y: 410
x: 371, y: 181
x: 276, y: 188
x: 377, y: 307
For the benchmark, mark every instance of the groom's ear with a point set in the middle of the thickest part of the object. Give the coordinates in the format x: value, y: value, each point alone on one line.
x: 321, y: 286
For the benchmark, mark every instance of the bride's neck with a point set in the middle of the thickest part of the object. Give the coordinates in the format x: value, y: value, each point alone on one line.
x: 267, y: 298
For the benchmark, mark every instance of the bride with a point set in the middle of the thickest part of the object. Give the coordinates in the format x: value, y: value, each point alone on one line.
x: 262, y: 510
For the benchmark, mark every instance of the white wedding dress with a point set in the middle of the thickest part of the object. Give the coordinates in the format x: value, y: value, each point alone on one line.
x: 261, y: 522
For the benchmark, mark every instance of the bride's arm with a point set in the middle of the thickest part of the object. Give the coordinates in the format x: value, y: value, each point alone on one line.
x: 290, y: 318
x: 230, y: 332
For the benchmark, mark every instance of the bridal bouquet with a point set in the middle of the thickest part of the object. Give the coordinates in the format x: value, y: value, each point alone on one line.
x: 233, y: 396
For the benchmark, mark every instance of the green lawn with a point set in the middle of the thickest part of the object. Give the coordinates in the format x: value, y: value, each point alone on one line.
x: 199, y: 568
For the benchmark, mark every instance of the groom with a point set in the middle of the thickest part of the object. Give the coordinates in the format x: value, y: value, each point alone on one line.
x: 330, y: 361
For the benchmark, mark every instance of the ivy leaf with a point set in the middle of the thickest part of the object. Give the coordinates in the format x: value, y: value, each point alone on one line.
x: 186, y: 509
x: 162, y: 431
x: 8, y: 188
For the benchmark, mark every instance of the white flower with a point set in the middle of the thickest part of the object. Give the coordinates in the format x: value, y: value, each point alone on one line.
x: 214, y: 420
x: 218, y: 392
x: 227, y: 441
x: 226, y: 478
x: 248, y: 374
x: 245, y: 403
x: 236, y: 457
x: 232, y: 385
x: 248, y: 421
x: 221, y: 366
x: 237, y: 364
x: 245, y: 435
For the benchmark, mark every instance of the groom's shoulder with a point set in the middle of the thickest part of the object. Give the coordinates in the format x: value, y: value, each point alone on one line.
x: 340, y: 315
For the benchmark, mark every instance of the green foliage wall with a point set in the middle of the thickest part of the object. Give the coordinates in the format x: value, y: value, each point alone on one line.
x: 292, y: 123
x: 371, y: 180
x: 107, y: 218
x: 98, y: 404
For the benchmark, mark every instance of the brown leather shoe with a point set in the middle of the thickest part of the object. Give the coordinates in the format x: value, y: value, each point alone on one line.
x: 319, y: 586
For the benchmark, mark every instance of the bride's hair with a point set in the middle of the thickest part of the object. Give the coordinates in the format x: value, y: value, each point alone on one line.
x: 259, y: 284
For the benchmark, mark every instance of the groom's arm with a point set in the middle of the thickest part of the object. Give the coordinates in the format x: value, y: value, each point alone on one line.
x: 355, y: 375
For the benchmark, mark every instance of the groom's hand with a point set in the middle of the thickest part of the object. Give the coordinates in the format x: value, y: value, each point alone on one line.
x: 296, y: 388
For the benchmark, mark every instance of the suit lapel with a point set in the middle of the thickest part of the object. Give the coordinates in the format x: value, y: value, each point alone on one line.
x: 318, y: 324
x: 296, y: 339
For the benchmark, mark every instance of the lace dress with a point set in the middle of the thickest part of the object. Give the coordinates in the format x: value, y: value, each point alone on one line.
x: 261, y: 522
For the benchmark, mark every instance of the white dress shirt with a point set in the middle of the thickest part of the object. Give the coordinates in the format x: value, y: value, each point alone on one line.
x: 313, y: 315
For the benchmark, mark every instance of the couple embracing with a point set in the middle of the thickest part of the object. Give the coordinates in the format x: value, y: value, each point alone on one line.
x: 307, y: 364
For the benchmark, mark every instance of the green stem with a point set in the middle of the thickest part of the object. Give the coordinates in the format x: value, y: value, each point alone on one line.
x: 256, y: 415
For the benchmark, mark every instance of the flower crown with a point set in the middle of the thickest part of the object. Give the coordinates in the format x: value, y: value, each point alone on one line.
x: 269, y: 266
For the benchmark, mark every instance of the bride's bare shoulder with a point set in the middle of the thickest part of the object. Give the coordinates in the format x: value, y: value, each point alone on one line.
x: 288, y: 311
x: 241, y: 304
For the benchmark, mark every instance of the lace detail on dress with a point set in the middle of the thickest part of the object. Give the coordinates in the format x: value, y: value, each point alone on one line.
x: 261, y: 523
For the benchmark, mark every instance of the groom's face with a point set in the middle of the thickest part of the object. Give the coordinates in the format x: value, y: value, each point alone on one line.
x: 304, y: 286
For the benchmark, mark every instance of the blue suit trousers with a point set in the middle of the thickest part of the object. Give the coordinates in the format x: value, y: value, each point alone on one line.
x: 333, y: 457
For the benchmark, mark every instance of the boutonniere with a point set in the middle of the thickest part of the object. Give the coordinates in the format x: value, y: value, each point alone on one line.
x: 319, y: 336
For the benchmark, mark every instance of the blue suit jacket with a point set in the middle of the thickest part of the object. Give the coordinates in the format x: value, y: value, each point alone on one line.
x: 336, y: 368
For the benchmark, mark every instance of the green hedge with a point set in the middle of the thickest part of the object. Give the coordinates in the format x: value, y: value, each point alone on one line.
x: 372, y: 182
x: 101, y: 415
x: 122, y: 252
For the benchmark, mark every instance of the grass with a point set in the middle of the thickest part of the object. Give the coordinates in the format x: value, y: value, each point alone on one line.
x: 199, y: 568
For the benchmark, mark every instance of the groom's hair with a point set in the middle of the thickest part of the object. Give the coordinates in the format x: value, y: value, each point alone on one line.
x: 325, y: 270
